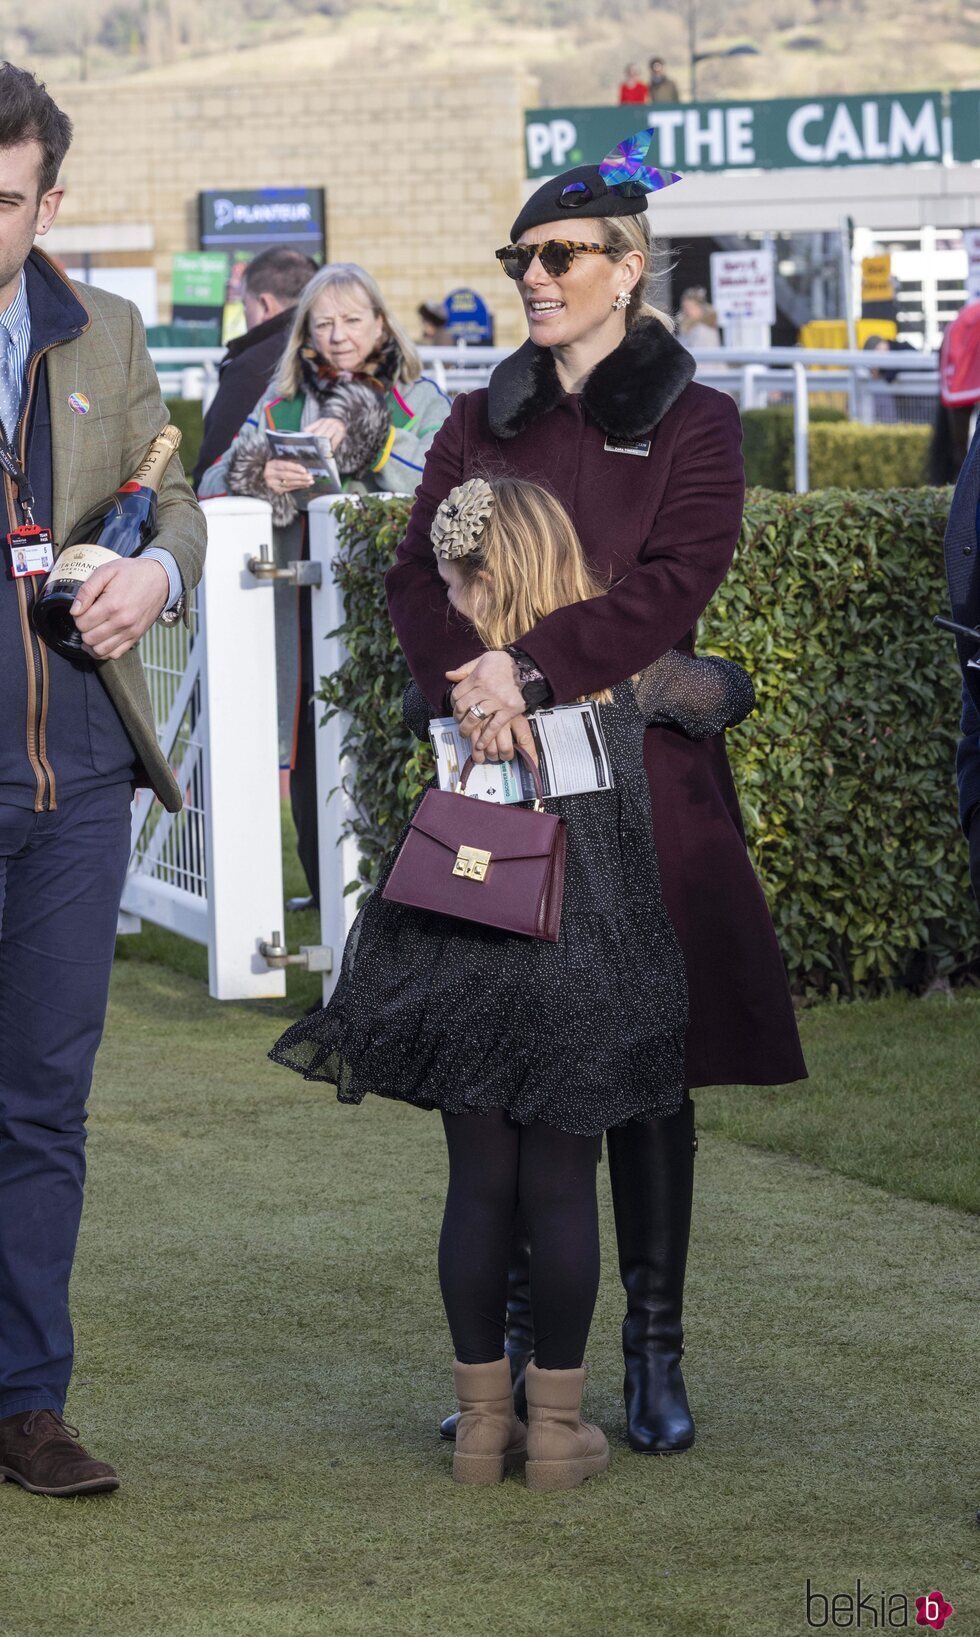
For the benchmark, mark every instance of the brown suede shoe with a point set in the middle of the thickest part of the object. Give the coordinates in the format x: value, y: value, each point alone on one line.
x: 42, y: 1454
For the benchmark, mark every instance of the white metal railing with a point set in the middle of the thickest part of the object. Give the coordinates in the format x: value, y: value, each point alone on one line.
x: 213, y: 872
x: 755, y: 377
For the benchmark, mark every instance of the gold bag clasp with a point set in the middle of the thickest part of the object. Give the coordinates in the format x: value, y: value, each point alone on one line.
x: 472, y: 862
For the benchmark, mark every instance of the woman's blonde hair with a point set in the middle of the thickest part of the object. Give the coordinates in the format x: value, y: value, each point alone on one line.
x: 343, y: 275
x: 535, y: 561
x: 626, y: 233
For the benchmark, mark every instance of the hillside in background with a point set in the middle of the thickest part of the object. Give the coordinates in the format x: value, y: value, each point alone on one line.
x: 575, y: 48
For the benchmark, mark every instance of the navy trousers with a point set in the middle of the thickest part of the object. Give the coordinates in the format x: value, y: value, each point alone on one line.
x: 61, y: 878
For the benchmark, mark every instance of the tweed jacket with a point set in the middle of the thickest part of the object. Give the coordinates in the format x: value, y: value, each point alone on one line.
x: 962, y: 553
x: 92, y: 454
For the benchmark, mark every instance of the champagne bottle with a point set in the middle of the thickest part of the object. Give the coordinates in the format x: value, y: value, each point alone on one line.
x: 119, y: 526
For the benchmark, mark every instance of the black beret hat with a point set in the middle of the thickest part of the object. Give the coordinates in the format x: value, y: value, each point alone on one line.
x: 577, y: 193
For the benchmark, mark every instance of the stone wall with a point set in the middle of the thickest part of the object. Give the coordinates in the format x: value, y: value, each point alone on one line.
x: 423, y: 177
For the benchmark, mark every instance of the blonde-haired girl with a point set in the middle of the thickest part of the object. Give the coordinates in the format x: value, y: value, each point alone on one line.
x: 530, y: 1050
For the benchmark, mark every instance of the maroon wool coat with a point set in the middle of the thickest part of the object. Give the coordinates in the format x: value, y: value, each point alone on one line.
x: 661, y: 515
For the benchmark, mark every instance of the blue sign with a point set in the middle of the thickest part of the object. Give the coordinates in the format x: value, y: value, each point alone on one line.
x: 468, y: 318
x: 248, y: 219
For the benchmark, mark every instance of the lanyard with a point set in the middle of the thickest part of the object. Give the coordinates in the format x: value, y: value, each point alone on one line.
x: 15, y: 471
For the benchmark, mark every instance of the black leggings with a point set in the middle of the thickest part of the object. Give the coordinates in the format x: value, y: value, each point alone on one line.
x: 496, y: 1168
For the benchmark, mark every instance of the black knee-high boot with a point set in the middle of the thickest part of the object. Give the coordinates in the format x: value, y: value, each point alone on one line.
x: 651, y: 1170
x: 519, y: 1342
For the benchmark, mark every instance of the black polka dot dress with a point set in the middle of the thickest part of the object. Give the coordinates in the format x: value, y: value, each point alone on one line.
x: 582, y: 1034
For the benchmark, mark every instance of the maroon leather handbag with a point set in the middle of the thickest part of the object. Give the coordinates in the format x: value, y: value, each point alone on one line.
x: 501, y: 866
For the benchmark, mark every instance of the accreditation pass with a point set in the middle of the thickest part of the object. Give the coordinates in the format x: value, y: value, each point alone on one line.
x: 31, y: 551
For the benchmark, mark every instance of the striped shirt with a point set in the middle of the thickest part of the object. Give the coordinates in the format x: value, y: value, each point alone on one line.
x: 16, y: 320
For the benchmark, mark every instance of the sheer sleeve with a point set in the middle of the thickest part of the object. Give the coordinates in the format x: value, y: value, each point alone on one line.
x: 701, y: 695
x: 416, y: 712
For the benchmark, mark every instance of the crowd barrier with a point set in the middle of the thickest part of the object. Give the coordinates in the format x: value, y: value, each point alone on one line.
x: 754, y: 377
x: 213, y: 872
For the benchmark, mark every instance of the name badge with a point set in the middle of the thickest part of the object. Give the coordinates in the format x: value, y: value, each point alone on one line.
x: 623, y: 446
x: 31, y: 551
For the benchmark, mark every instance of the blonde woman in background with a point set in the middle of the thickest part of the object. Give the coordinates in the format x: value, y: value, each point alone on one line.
x: 348, y: 373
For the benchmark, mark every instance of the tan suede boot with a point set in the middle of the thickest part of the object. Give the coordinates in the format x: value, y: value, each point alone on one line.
x: 489, y: 1438
x: 562, y: 1449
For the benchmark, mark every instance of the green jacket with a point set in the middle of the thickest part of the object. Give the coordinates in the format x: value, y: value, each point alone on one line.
x: 92, y: 454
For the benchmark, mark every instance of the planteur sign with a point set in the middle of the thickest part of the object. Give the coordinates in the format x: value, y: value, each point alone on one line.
x: 919, y: 127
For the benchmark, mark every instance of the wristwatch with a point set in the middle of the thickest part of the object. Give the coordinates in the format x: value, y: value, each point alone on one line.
x: 531, y: 680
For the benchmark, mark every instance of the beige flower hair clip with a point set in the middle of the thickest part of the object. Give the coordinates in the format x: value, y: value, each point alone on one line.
x: 459, y: 523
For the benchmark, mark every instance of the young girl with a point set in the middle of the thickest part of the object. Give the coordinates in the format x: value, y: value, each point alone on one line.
x: 530, y: 1050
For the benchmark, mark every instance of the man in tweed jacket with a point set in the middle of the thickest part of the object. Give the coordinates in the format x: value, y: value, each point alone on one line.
x: 79, y: 405
x: 962, y: 550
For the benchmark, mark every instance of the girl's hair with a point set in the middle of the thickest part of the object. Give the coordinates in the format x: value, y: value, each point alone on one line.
x: 626, y: 233
x: 535, y: 559
x: 343, y: 275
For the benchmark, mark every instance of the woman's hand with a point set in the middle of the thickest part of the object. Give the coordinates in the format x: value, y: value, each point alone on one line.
x: 284, y: 475
x: 329, y: 427
x: 491, y: 683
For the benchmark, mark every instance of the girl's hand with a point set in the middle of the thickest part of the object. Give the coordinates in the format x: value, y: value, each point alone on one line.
x: 329, y: 427
x: 284, y: 475
x: 517, y: 735
x: 491, y: 683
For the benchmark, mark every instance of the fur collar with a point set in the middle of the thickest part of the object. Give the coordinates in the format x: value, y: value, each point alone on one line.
x: 628, y: 392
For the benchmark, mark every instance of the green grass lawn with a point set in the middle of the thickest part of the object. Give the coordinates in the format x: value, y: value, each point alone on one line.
x: 261, y: 1349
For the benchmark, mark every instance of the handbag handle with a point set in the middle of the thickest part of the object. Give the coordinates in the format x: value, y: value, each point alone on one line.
x: 469, y: 764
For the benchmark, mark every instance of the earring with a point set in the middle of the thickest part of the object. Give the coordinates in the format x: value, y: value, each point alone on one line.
x: 622, y: 300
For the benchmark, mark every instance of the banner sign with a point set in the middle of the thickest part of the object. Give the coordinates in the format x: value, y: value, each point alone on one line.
x: 246, y: 219
x: 468, y: 318
x: 904, y: 129
x: 743, y: 286
x: 964, y: 112
x: 876, y: 279
x: 198, y: 278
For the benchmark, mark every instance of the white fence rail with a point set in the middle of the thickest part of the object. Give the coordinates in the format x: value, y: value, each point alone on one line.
x: 213, y: 872
x: 755, y: 378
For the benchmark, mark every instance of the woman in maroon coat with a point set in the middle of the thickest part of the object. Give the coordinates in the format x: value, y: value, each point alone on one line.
x: 600, y: 407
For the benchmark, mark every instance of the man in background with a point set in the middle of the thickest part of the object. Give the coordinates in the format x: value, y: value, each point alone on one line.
x: 274, y: 281
x: 661, y: 89
x: 962, y: 550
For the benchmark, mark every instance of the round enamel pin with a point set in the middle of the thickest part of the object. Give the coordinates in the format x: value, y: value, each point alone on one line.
x: 79, y: 403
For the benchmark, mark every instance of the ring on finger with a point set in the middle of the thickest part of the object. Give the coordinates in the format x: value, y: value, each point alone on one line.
x: 478, y: 712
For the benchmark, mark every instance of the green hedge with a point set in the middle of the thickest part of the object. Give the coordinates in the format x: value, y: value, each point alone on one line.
x: 843, y: 454
x: 188, y: 415
x: 845, y: 771
x: 767, y: 444
x: 868, y: 457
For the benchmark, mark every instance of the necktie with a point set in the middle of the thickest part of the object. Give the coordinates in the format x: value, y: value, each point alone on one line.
x: 9, y: 386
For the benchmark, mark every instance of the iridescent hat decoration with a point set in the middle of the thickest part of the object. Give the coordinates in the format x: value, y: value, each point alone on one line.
x: 626, y: 167
x: 619, y: 186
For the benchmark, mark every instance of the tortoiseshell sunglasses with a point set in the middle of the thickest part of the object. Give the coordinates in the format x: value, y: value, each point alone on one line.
x: 556, y: 256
